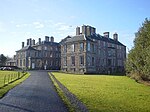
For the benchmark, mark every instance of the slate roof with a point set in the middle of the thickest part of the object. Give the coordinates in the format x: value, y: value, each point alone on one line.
x: 37, y: 44
x: 110, y: 40
x: 76, y: 38
x: 65, y: 39
x: 26, y: 48
x: 92, y: 37
x: 46, y: 43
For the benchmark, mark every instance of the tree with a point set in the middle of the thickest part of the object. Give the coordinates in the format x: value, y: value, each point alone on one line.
x: 2, y: 60
x: 138, y: 61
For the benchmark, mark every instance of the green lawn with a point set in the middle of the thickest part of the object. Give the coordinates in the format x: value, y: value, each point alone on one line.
x: 103, y: 93
x: 8, y: 76
x: 12, y: 77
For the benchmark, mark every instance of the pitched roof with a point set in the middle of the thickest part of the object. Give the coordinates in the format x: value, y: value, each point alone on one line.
x: 110, y: 40
x: 46, y: 43
x: 26, y: 48
x: 76, y: 38
x: 92, y: 37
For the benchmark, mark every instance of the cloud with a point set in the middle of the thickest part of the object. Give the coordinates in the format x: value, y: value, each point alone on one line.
x: 49, y: 21
x: 44, y: 27
x: 59, y: 23
x: 38, y: 25
x: 63, y: 27
x: 12, y: 22
x: 18, y: 26
x: 22, y: 25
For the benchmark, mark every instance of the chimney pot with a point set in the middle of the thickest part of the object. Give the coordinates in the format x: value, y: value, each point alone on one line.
x: 93, y: 30
x: 30, y: 42
x: 47, y: 38
x: 33, y: 42
x: 106, y: 34
x: 84, y: 30
x: 88, y: 30
x: 52, y: 39
x: 39, y: 41
x: 22, y: 44
x: 115, y: 36
x: 78, y: 30
x: 27, y: 41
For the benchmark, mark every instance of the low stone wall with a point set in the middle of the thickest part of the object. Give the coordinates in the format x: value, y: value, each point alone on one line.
x: 80, y: 107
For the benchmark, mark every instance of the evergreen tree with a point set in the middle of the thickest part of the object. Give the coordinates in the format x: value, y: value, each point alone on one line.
x: 2, y: 60
x: 138, y: 61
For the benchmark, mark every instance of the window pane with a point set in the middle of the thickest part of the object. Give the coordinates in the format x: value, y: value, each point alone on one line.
x: 92, y: 61
x: 81, y: 60
x: 88, y: 46
x: 65, y: 61
x: 73, y: 60
x: 88, y: 60
x: 81, y: 47
x: 73, y: 47
x: 65, y: 48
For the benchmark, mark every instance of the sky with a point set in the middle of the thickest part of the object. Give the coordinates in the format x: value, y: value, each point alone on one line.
x: 23, y: 19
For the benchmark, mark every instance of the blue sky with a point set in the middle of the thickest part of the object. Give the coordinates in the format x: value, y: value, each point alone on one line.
x: 23, y: 19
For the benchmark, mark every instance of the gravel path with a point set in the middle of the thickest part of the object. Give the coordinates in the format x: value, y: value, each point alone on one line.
x: 36, y: 94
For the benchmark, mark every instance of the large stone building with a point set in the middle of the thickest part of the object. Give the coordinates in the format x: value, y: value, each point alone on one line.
x: 89, y: 52
x: 41, y: 55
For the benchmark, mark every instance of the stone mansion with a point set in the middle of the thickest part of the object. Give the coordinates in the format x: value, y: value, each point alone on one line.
x: 86, y: 52
x: 89, y: 52
x: 41, y: 55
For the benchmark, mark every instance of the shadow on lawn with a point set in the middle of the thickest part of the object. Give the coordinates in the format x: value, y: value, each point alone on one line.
x: 114, y: 74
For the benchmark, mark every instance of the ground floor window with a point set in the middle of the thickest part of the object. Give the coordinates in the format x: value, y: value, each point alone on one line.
x: 88, y: 60
x: 93, y: 61
x: 65, y: 61
x: 24, y: 62
x: 20, y: 62
x: 81, y: 60
x: 73, y: 60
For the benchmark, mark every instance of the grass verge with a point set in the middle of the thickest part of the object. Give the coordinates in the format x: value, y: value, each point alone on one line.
x: 104, y: 93
x: 5, y: 89
x: 62, y: 96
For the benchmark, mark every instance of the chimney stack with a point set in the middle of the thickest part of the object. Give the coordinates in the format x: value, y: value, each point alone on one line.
x: 106, y: 34
x: 78, y: 30
x: 84, y: 30
x: 39, y: 41
x: 115, y: 36
x: 33, y: 42
x: 52, y: 39
x: 22, y: 44
x: 47, y: 38
x: 88, y: 30
x: 27, y: 42
x: 30, y: 42
x: 93, y: 30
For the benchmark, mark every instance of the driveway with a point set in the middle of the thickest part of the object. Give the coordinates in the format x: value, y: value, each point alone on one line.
x: 36, y: 94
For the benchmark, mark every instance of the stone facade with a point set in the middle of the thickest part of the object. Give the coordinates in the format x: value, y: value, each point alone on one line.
x: 42, y: 55
x: 88, y: 52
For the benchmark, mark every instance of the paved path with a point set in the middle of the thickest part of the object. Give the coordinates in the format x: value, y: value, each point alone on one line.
x: 36, y: 94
